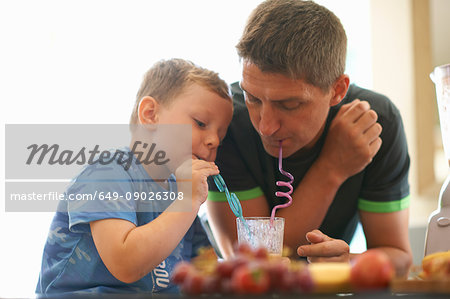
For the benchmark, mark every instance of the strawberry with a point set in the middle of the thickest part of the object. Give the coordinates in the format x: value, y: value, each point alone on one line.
x: 250, y: 279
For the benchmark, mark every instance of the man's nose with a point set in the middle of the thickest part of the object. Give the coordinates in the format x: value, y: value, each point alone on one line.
x: 268, y: 122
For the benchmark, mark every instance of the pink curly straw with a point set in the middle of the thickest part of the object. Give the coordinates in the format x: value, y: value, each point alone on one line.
x: 284, y: 184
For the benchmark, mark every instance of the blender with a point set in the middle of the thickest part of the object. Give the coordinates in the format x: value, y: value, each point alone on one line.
x: 438, y: 232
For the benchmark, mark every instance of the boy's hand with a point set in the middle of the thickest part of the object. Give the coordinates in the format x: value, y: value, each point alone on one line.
x: 352, y: 140
x: 196, y: 172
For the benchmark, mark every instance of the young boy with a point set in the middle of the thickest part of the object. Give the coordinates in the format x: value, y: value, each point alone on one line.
x: 133, y: 248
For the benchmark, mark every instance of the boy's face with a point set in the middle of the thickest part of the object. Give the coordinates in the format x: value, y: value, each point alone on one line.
x: 207, y: 112
x: 282, y: 109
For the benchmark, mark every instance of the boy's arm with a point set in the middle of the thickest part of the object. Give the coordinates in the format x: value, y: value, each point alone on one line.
x: 130, y: 252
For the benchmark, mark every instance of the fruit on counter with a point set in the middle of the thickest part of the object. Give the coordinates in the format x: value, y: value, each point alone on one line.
x: 371, y: 270
x: 256, y: 272
x: 289, y: 276
x: 194, y: 283
x: 330, y: 277
x: 248, y: 272
x: 183, y: 270
x: 436, y: 266
x: 250, y: 278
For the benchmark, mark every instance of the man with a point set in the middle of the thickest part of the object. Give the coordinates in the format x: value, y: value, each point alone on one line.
x: 344, y: 145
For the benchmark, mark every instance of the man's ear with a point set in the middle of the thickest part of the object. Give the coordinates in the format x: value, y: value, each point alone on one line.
x: 339, y: 89
x: 148, y: 111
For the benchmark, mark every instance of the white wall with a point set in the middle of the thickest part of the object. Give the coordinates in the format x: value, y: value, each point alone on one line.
x: 440, y: 31
x: 393, y: 75
x: 392, y: 60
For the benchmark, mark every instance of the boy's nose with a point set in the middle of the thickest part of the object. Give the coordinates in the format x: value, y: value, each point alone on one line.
x: 268, y: 122
x: 212, y: 141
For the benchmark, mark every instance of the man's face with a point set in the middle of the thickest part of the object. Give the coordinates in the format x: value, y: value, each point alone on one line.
x: 282, y: 109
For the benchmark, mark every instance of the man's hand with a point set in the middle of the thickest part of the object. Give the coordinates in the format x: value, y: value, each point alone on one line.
x: 352, y: 141
x: 324, y: 249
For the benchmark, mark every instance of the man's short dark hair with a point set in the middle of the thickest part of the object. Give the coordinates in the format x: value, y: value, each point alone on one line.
x: 299, y: 39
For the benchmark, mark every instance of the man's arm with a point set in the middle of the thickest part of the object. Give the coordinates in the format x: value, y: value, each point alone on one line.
x: 310, y: 202
x: 351, y: 142
x: 387, y: 228
x: 384, y: 231
x: 389, y: 232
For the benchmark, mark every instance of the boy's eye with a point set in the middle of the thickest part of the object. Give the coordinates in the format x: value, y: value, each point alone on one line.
x: 200, y: 124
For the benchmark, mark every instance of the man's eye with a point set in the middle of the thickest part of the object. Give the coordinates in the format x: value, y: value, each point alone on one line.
x: 200, y: 124
x: 251, y: 100
x: 290, y: 105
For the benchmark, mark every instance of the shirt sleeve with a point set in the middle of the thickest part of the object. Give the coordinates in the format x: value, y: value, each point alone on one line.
x: 385, y: 184
x: 98, y: 193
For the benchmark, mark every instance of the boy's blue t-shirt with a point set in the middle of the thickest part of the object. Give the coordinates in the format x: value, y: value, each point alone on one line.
x: 71, y: 261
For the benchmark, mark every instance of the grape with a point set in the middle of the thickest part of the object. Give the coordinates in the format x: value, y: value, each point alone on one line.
x: 193, y: 284
x: 225, y: 269
x: 212, y: 285
x: 276, y: 271
x: 261, y: 253
x: 240, y: 260
x: 304, y: 280
x: 181, y: 271
x: 225, y: 286
x: 244, y: 249
x: 248, y: 272
x: 289, y: 282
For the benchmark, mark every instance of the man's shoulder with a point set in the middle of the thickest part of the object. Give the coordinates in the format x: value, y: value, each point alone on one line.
x: 235, y: 88
x: 378, y: 102
x: 356, y: 92
x: 238, y: 98
x: 241, y: 123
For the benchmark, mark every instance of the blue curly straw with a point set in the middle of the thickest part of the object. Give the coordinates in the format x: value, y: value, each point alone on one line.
x: 232, y: 199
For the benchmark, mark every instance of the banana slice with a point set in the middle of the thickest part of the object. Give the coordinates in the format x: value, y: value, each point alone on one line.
x: 330, y: 277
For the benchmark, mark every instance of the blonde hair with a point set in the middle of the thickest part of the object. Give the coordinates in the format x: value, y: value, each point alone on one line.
x: 299, y: 39
x: 167, y: 79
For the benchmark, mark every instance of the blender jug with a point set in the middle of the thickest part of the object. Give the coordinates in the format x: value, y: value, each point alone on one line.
x: 438, y: 232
